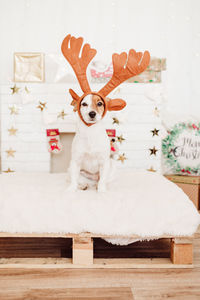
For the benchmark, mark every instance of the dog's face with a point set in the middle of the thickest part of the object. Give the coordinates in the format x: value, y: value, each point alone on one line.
x: 92, y: 108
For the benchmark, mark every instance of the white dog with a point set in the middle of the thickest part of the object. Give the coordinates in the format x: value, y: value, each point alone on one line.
x: 90, y: 156
x: 91, y: 145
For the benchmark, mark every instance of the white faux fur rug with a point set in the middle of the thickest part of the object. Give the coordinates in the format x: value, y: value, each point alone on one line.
x: 142, y: 203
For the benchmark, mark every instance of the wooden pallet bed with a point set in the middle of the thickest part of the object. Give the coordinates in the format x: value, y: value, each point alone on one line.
x: 83, y: 254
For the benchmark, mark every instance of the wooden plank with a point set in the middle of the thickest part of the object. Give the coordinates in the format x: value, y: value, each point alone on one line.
x: 103, y: 293
x: 113, y: 263
x: 82, y: 251
x: 181, y: 253
x: 85, y: 234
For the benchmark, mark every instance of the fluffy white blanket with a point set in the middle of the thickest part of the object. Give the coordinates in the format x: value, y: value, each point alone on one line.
x: 141, y: 203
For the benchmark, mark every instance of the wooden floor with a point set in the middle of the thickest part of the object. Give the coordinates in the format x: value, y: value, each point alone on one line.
x: 66, y: 284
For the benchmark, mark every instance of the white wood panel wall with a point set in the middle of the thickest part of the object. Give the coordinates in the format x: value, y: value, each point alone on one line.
x: 136, y: 122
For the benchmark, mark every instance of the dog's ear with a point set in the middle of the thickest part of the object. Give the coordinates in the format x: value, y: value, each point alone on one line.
x: 75, y: 98
x: 115, y: 104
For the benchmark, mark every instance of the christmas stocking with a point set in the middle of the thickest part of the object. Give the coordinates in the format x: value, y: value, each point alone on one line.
x: 53, y: 139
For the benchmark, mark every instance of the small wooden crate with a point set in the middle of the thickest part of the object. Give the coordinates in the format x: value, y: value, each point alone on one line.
x: 83, y: 255
x: 190, y: 185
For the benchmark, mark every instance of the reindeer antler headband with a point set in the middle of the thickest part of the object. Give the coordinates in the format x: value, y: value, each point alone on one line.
x: 124, y: 67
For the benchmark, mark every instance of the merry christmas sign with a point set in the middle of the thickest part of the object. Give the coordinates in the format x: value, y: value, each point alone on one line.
x: 181, y: 149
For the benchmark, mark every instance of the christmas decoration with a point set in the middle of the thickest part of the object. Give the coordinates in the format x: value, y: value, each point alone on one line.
x: 181, y: 149
x: 15, y: 89
x: 54, y: 144
x: 151, y: 169
x: 155, y: 132
x: 153, y: 151
x: 113, y: 142
x: 62, y: 114
x: 115, y: 121
x: 28, y: 67
x: 12, y: 131
x: 8, y: 171
x: 122, y: 157
x: 10, y: 152
x: 14, y: 110
x: 120, y: 138
x: 42, y: 105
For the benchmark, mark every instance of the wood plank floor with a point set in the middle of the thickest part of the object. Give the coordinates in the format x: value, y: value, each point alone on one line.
x: 156, y: 284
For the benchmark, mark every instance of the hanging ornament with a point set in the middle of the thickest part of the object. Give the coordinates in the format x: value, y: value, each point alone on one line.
x: 122, y: 157
x: 120, y: 138
x: 153, y: 151
x: 62, y: 114
x: 155, y: 132
x: 10, y: 152
x: 53, y: 138
x: 8, y: 171
x: 115, y: 121
x: 15, y: 89
x: 14, y: 110
x: 42, y: 105
x: 12, y: 131
x: 151, y: 169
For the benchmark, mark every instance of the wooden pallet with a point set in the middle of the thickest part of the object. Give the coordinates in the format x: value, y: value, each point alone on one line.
x: 82, y: 254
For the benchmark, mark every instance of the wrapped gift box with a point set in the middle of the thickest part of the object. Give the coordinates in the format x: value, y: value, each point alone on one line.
x: 190, y: 185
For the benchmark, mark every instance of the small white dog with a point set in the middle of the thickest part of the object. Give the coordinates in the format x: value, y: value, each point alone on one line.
x: 91, y: 145
x: 90, y: 156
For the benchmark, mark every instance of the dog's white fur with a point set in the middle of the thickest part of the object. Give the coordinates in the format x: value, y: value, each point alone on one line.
x: 90, y: 149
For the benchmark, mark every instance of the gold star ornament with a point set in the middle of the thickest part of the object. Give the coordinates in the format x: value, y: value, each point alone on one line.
x: 122, y: 158
x: 42, y: 105
x: 120, y: 138
x: 14, y: 110
x: 10, y: 152
x: 15, y: 89
x: 62, y: 114
x: 12, y: 131
x: 115, y: 121
x: 153, y: 151
x: 151, y: 169
x: 155, y: 132
x: 8, y: 171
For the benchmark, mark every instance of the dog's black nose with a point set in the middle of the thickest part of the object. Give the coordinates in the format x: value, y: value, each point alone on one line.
x: 92, y: 114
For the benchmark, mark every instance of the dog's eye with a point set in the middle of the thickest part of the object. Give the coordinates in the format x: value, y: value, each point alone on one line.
x: 84, y: 104
x: 99, y: 103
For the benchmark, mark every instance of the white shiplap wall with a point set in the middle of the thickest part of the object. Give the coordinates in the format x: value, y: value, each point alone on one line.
x: 136, y: 122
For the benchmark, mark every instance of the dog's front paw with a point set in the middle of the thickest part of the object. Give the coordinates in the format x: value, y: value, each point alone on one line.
x: 101, y: 188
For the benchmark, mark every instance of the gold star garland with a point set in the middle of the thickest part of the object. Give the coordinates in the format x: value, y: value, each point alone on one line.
x: 155, y: 132
x: 13, y: 110
x: 122, y: 157
x: 42, y: 105
x: 8, y: 171
x: 115, y: 121
x: 15, y: 89
x: 10, y: 152
x: 151, y: 169
x: 153, y: 151
x: 120, y: 138
x: 62, y: 114
x: 12, y: 131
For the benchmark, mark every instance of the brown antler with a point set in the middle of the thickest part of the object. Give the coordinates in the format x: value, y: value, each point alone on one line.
x: 124, y: 69
x: 79, y: 64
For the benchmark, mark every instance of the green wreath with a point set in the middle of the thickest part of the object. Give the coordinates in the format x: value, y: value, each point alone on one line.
x: 168, y: 144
